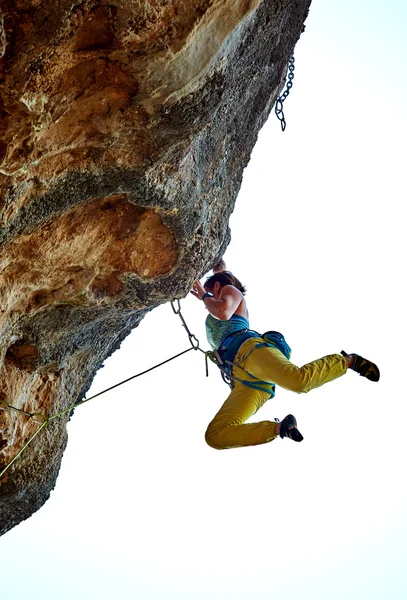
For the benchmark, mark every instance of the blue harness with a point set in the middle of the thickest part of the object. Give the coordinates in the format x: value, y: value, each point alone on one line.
x: 227, y: 351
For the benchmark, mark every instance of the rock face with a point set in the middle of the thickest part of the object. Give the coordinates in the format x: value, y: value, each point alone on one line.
x: 125, y: 128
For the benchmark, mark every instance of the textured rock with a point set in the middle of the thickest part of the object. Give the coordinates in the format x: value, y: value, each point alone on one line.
x: 125, y: 128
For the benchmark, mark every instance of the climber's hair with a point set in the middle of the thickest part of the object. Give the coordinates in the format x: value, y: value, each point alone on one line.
x: 224, y: 278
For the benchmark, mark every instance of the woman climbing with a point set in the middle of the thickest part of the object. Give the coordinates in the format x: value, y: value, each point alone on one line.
x: 254, y: 364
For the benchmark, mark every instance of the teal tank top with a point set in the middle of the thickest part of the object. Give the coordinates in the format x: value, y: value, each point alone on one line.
x: 217, y: 331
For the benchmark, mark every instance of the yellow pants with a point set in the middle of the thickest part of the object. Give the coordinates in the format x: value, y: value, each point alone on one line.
x: 227, y: 429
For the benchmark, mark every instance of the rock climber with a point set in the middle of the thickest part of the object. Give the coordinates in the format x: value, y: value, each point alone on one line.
x: 255, y: 364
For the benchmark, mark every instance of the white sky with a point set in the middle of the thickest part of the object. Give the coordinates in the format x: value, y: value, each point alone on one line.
x: 143, y: 509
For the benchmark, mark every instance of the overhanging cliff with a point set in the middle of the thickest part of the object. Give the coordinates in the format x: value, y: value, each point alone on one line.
x: 125, y: 128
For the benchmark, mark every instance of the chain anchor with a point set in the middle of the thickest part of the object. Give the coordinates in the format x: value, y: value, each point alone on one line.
x: 278, y: 109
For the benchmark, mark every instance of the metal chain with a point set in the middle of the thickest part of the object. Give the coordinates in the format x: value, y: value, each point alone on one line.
x: 279, y: 102
x: 176, y: 307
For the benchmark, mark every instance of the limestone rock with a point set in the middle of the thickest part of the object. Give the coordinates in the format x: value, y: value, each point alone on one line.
x: 125, y: 128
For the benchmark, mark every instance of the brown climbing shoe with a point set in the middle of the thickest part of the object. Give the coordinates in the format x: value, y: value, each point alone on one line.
x: 364, y: 367
x: 288, y: 428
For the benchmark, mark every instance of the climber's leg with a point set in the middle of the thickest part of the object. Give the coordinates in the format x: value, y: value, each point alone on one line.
x: 228, y: 428
x: 269, y: 364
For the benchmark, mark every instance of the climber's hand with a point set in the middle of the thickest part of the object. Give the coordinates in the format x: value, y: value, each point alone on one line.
x: 198, y: 290
x: 220, y: 266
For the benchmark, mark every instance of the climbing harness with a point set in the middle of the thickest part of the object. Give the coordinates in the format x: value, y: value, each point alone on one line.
x: 220, y: 358
x: 278, y: 108
x: 226, y: 368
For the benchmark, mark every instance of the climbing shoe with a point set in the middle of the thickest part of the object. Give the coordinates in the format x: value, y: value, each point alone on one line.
x: 364, y: 367
x: 288, y: 428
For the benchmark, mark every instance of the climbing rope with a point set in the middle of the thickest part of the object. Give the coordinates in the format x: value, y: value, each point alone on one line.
x: 44, y: 420
x: 279, y: 102
x: 213, y: 356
